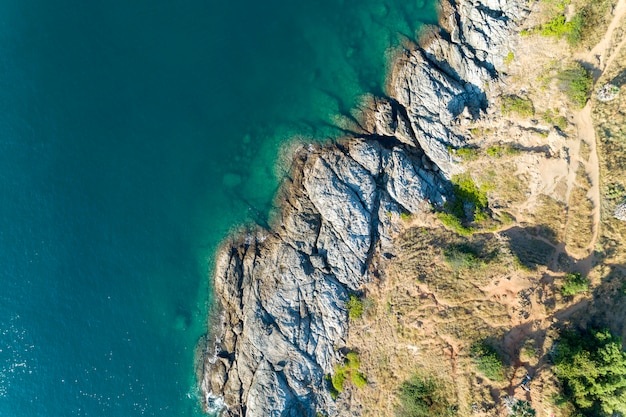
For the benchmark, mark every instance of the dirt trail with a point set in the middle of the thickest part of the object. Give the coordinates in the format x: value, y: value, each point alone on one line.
x: 604, y: 55
x: 586, y: 132
x: 602, y: 51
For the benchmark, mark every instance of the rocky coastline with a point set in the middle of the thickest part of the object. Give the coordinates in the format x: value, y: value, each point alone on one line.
x: 282, y: 291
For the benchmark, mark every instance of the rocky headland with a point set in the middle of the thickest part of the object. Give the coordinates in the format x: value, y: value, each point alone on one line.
x: 282, y: 291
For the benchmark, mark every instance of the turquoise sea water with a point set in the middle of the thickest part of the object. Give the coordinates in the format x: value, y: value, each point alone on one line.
x: 133, y: 136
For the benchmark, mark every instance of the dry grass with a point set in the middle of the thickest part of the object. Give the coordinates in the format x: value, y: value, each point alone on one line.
x: 430, y: 310
x: 434, y: 300
x: 549, y: 218
x: 610, y: 121
x: 584, y: 151
x: 579, y: 230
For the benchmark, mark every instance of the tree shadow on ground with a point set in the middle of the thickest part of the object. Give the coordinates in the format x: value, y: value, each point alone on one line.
x: 530, y: 251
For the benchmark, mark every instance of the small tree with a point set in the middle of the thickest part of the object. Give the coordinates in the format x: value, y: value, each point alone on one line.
x: 487, y: 361
x: 355, y: 307
x: 573, y: 284
x: 592, y: 368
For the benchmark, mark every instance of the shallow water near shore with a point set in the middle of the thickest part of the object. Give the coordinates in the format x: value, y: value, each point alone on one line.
x: 135, y: 135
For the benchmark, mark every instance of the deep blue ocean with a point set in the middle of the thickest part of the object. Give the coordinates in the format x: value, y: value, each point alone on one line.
x: 133, y: 136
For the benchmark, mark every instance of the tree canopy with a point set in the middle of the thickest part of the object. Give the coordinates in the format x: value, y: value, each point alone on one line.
x: 592, y: 367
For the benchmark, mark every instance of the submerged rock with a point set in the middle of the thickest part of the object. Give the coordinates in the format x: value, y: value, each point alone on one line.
x: 283, y: 291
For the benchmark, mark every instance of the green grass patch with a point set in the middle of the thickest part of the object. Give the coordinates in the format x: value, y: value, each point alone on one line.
x: 573, y: 284
x: 592, y: 367
x: 466, y: 154
x: 423, y: 397
x: 576, y: 82
x: 404, y: 216
x: 498, y: 151
x: 487, y: 361
x: 355, y: 307
x: 517, y: 105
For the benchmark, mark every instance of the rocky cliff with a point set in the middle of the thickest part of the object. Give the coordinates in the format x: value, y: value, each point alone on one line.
x: 283, y: 291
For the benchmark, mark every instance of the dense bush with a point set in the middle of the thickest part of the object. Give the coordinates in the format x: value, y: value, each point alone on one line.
x: 497, y: 151
x: 592, y: 367
x: 462, y: 256
x: 571, y: 30
x: 573, y: 284
x: 348, y: 371
x: 469, y: 204
x: 576, y: 82
x: 423, y: 397
x: 355, y: 307
x: 487, y: 361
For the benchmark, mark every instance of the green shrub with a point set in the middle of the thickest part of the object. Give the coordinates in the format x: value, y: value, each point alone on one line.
x: 576, y: 82
x: 487, y: 361
x: 349, y: 369
x: 518, y: 105
x: 462, y: 256
x: 466, y: 195
x: 352, y: 361
x: 509, y: 58
x: 467, y: 192
x: 558, y: 27
x: 358, y: 379
x: 494, y: 151
x: 423, y: 397
x: 522, y: 409
x: 454, y: 223
x: 355, y: 307
x: 339, y: 378
x: 591, y: 365
x: 467, y: 154
x: 573, y: 284
x: 404, y: 216
x: 554, y: 119
x: 498, y: 151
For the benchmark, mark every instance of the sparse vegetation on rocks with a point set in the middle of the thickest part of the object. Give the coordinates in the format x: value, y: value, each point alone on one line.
x: 349, y: 371
x: 469, y: 205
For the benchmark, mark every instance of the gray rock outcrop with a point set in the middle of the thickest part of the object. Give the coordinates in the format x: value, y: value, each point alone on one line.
x: 282, y: 292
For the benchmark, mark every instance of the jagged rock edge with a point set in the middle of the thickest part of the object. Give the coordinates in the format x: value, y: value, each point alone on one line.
x: 282, y: 291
